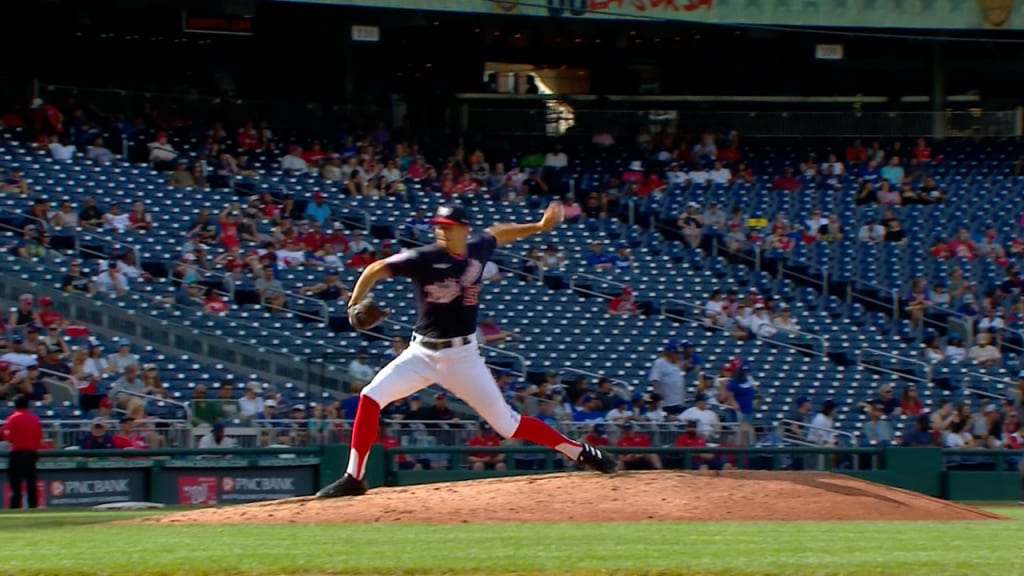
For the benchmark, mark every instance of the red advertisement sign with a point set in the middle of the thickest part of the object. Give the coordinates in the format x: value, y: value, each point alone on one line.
x: 197, y: 490
x: 40, y: 495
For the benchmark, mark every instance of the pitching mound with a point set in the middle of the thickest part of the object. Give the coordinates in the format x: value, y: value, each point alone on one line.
x: 631, y: 496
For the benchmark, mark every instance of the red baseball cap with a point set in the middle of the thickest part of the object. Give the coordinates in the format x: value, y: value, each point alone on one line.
x: 4, y: 365
x: 318, y: 195
x: 45, y: 301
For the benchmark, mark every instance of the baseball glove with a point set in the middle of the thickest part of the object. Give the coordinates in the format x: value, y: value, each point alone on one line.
x: 364, y: 314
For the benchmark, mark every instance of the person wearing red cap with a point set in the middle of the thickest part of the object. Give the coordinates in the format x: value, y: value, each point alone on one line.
x: 317, y: 210
x: 624, y: 304
x: 48, y: 317
x: 24, y: 432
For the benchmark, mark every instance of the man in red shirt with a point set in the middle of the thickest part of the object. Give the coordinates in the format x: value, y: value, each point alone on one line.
x: 630, y: 438
x: 598, y: 436
x: 48, y: 317
x: 126, y: 438
x: 24, y: 432
x: 480, y: 461
x: 691, y: 439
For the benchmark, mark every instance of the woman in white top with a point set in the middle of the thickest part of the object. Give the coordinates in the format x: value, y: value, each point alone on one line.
x: 96, y: 364
x: 821, y: 431
x: 714, y: 309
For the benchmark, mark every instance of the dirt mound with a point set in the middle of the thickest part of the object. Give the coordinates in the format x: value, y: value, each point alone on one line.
x: 582, y: 497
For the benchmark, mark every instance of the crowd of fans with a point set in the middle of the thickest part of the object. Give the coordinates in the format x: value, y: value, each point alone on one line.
x: 256, y: 238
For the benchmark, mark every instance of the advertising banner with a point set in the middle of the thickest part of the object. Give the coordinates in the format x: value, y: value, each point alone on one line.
x: 939, y: 14
x: 197, y: 486
x: 86, y: 487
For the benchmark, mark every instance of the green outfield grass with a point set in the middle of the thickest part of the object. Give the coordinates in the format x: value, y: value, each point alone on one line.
x: 79, y: 543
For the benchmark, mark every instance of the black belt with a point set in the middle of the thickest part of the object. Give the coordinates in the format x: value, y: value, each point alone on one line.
x: 435, y: 345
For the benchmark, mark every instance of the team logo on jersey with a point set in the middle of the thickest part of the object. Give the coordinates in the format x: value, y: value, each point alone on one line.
x: 442, y: 292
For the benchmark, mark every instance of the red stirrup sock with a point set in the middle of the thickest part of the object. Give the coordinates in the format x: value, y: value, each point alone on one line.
x: 364, y: 434
x: 533, y: 430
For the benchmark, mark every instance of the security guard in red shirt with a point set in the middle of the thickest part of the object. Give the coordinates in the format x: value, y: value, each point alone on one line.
x: 24, y: 432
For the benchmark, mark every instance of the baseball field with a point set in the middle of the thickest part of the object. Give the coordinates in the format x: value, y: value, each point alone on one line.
x: 388, y: 532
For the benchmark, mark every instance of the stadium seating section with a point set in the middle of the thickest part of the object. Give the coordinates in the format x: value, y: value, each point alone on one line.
x: 564, y: 322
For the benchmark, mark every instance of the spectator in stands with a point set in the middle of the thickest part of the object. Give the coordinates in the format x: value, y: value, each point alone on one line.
x: 866, y: 193
x: 691, y: 224
x: 318, y: 210
x: 139, y: 219
x: 270, y: 290
x: 598, y: 436
x: 666, y: 377
x: 126, y: 438
x: 822, y: 431
x: 99, y: 366
x: 876, y: 430
x: 714, y: 218
x: 110, y: 281
x: 161, y: 153
x: 917, y: 302
x: 204, y: 411
x: 943, y: 416
x: 920, y: 436
x: 99, y: 153
x: 715, y: 313
x: 397, y: 345
x: 123, y: 358
x: 65, y: 217
x: 32, y: 244
x: 115, y: 220
x: 621, y: 411
x: 893, y: 172
x: 984, y: 352
x: 787, y: 182
x: 624, y: 304
x: 14, y: 183
x: 597, y: 259
x: 251, y: 404
x: 29, y: 382
x: 690, y: 438
x: 216, y: 438
x: 888, y: 195
x: 24, y: 313
x: 630, y: 438
x: 910, y: 402
x: 51, y: 363
x: 360, y: 371
x: 886, y: 401
x: 484, y: 436
x: 98, y: 438
x: 130, y: 381
x: 708, y: 424
x: 90, y: 215
x: 292, y: 162
x: 932, y: 351
x: 60, y: 148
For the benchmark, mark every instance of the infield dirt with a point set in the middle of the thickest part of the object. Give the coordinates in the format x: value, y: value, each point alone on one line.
x: 624, y: 497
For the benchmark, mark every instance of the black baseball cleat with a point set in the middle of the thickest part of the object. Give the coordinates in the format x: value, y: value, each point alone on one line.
x: 347, y: 485
x: 595, y: 459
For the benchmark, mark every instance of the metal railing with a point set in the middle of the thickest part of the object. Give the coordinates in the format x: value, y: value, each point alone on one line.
x: 625, y: 388
x: 533, y: 118
x: 786, y: 426
x: 865, y: 352
x: 164, y: 329
x: 156, y: 432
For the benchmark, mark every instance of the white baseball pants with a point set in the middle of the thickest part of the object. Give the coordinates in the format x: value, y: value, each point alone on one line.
x: 460, y: 370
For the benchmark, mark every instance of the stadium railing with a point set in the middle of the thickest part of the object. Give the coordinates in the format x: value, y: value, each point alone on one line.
x: 109, y: 316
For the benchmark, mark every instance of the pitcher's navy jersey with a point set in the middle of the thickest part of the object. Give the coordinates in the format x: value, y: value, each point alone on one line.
x: 447, y: 287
